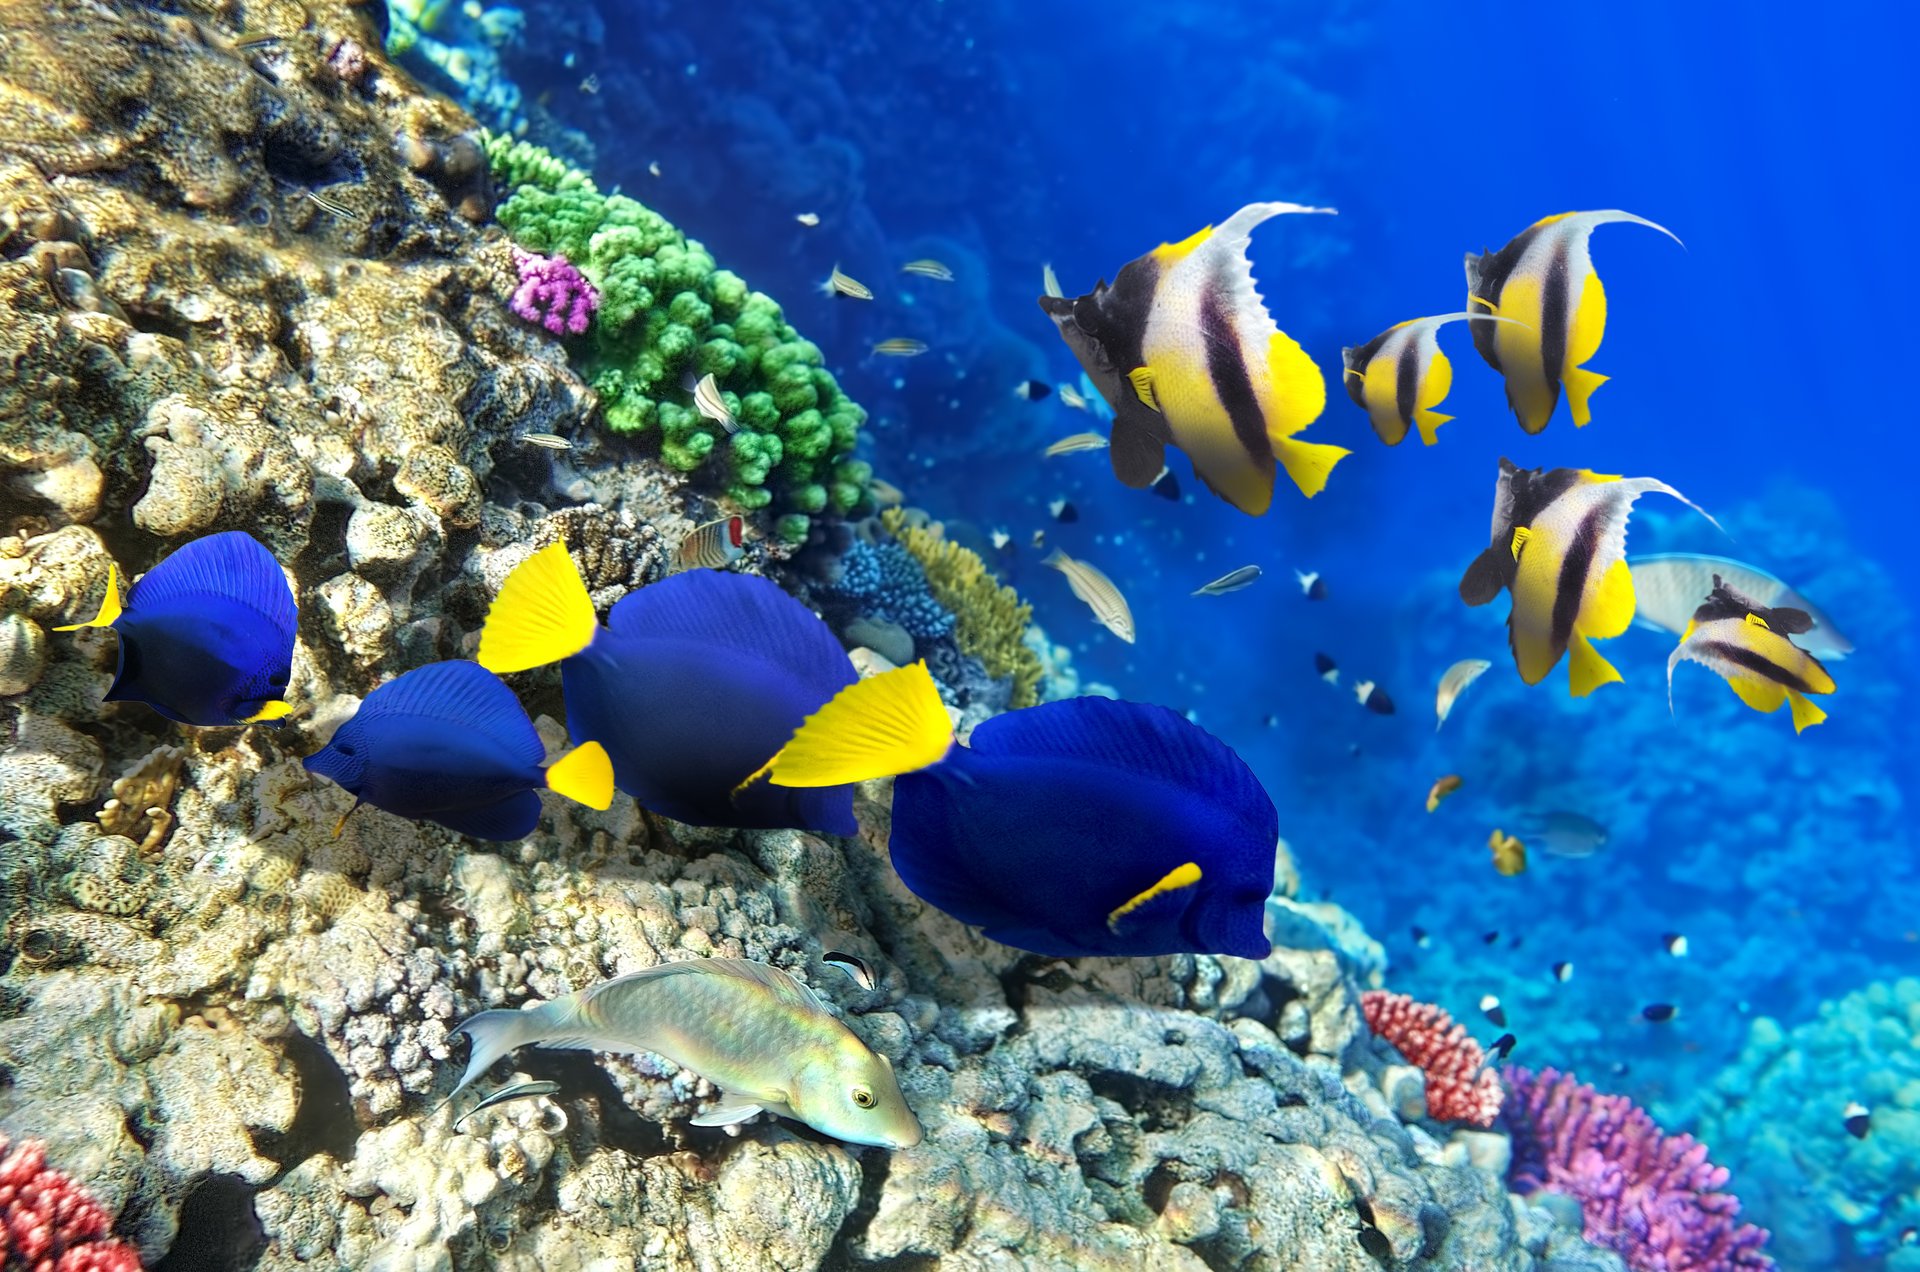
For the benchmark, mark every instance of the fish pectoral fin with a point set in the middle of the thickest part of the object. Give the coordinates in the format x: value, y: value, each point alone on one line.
x: 1490, y: 572
x: 1804, y: 712
x: 110, y: 607
x: 1166, y: 898
x: 1136, y: 454
x: 1142, y: 380
x: 883, y: 726
x: 542, y: 615
x: 1586, y: 669
x: 1520, y: 536
x: 730, y: 1111
x: 584, y: 775
x: 270, y: 710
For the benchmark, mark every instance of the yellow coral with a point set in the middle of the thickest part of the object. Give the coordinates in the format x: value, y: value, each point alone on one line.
x: 991, y: 618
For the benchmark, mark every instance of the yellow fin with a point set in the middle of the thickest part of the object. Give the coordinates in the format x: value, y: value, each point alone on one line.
x: 1589, y: 322
x: 110, y: 608
x: 1296, y: 392
x: 1757, y: 621
x: 1609, y: 611
x: 1309, y: 463
x: 1520, y: 536
x: 1435, y: 383
x: 542, y: 615
x: 883, y: 726
x: 1761, y: 695
x: 1586, y: 669
x: 1482, y: 300
x: 1429, y: 422
x: 584, y: 775
x: 1804, y: 712
x: 1142, y: 380
x: 1170, y: 252
x: 272, y: 710
x: 1580, y: 384
x: 1181, y: 876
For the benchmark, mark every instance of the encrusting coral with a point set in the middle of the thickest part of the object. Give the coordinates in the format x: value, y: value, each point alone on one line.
x: 992, y: 619
x: 48, y: 1223
x: 1460, y: 1087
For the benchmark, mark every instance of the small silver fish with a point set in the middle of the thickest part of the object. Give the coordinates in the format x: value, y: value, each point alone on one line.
x: 591, y: 85
x: 752, y: 1030
x: 900, y: 347
x: 808, y: 219
x: 1075, y: 444
x: 1573, y: 835
x: 549, y: 441
x: 928, y: 269
x: 838, y: 284
x: 707, y: 400
x: 334, y: 207
x: 1000, y: 539
x: 713, y: 546
x: 518, y: 1091
x: 653, y: 169
x: 1071, y: 397
x: 1232, y: 581
x: 856, y: 968
x: 1050, y: 283
x: 1453, y: 683
x: 1312, y: 586
x: 1039, y: 539
x: 1098, y: 591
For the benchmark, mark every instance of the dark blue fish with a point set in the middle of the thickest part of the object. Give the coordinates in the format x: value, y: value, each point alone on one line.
x: 693, y: 683
x: 206, y: 636
x: 1072, y: 828
x: 450, y: 743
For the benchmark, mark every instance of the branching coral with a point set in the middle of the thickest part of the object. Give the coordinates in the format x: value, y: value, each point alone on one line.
x: 888, y: 583
x: 992, y: 620
x: 48, y: 1223
x: 668, y: 316
x: 1460, y: 1088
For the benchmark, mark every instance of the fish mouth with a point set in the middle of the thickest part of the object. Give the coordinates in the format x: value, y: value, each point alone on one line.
x: 1057, y: 307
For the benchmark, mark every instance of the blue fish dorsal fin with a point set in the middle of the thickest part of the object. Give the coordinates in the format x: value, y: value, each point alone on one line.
x: 1133, y: 738
x: 739, y: 612
x: 232, y: 565
x: 465, y: 695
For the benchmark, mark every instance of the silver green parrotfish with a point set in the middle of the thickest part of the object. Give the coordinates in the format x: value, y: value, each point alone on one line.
x: 759, y: 1035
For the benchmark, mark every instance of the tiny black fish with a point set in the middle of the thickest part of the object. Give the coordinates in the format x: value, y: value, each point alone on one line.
x: 1063, y: 511
x: 1858, y: 1119
x: 1502, y: 1047
x: 1032, y: 390
x: 1373, y: 698
x: 1421, y: 939
x: 1490, y: 1008
x: 1488, y: 938
x: 1326, y: 668
x: 1620, y: 1068
x: 1910, y: 1236
x: 1659, y: 1013
x: 1563, y: 972
x: 1167, y: 486
x: 1312, y: 585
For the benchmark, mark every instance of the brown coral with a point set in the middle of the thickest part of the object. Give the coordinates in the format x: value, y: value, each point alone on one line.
x: 991, y: 618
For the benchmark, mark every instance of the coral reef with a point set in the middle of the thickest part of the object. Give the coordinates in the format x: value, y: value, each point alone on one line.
x: 553, y: 293
x: 1460, y: 1086
x: 992, y: 620
x: 886, y: 582
x: 48, y: 1223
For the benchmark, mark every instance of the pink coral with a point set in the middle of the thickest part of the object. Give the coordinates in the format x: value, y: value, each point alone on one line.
x: 1460, y: 1088
x: 553, y: 293
x: 48, y: 1223
x: 1653, y: 1198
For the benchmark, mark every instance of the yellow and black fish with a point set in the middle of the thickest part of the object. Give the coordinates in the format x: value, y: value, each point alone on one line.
x: 1559, y: 544
x: 1747, y: 646
x: 1184, y: 351
x: 1400, y: 375
x: 1544, y: 281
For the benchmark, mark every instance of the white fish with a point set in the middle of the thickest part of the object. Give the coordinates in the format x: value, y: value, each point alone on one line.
x: 1000, y: 539
x: 808, y: 219
x: 706, y: 397
x: 1232, y: 581
x: 928, y: 269
x: 857, y: 969
x: 518, y: 1091
x: 1050, y: 283
x: 550, y: 441
x: 1453, y: 683
x: 1071, y: 396
x: 1098, y: 591
x: 653, y: 169
x: 1075, y: 444
x: 1312, y: 586
x: 838, y: 284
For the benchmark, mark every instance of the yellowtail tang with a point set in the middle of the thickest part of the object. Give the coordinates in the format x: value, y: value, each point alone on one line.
x: 206, y: 636
x: 1747, y: 645
x: 450, y: 743
x: 692, y: 684
x: 1080, y: 827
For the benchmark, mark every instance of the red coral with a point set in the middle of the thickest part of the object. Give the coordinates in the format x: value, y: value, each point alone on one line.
x: 1460, y: 1088
x: 48, y: 1223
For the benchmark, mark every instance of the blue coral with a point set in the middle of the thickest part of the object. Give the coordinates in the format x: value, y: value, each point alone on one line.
x: 886, y: 582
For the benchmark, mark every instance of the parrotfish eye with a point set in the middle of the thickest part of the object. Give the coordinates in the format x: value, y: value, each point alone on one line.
x: 863, y: 1098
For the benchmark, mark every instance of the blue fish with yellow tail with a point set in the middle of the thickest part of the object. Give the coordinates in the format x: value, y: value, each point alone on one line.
x: 206, y: 636
x: 450, y: 743
x: 1081, y: 827
x: 692, y: 684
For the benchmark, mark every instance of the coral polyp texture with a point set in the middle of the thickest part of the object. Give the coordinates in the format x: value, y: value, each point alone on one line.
x: 553, y: 293
x: 1460, y: 1086
x: 992, y: 620
x: 1652, y: 1197
x: 668, y: 316
x: 48, y: 1223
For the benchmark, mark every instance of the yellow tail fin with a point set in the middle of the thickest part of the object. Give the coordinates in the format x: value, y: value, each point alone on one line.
x: 1804, y: 712
x: 110, y: 608
x: 1429, y: 422
x: 584, y: 775
x: 1580, y: 384
x: 273, y: 709
x: 542, y: 615
x: 889, y: 724
x: 1309, y: 463
x: 1586, y: 669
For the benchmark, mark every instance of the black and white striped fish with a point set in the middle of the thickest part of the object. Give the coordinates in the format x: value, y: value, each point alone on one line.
x: 713, y: 546
x: 1184, y: 351
x: 1544, y: 281
x: 1746, y: 645
x: 1400, y: 375
x: 1559, y: 545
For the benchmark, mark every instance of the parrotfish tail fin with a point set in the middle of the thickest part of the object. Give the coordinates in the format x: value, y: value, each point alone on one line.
x: 1586, y: 669
x: 542, y: 615
x: 1804, y: 712
x: 110, y: 607
x: 495, y: 1034
x: 1165, y: 898
x: 1611, y: 215
x: 584, y: 775
x: 884, y: 726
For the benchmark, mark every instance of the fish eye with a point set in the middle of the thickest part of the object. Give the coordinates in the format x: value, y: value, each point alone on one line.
x: 1086, y: 315
x: 863, y: 1098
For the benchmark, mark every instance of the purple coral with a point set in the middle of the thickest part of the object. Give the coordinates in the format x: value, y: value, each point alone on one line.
x: 553, y: 293
x: 1651, y: 1197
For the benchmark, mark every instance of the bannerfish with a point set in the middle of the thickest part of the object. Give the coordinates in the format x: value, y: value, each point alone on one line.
x: 1568, y: 834
x: 694, y: 681
x: 1327, y: 669
x: 547, y: 441
x: 1453, y: 683
x: 1670, y: 586
x: 1372, y: 697
x: 808, y: 219
x: 1232, y: 581
x: 838, y: 284
x: 1544, y: 281
x: 449, y: 743
x: 1050, y: 283
x: 1400, y: 375
x: 1746, y: 645
x: 1075, y: 444
x: 1071, y: 396
x: 1086, y: 826
x: 749, y: 1028
x: 1674, y: 943
x: 1559, y: 545
x: 1509, y: 854
x: 1441, y: 788
x: 1857, y: 1118
x: 1033, y: 391
x: 206, y: 636
x: 713, y: 546
x: 1098, y: 591
x: 928, y: 269
x: 1496, y: 1014
x: 707, y: 400
x: 1312, y: 586
x: 1184, y: 351
x: 900, y: 347
x: 1063, y: 511
x: 1502, y: 1048
x: 1167, y: 486
x: 1562, y: 972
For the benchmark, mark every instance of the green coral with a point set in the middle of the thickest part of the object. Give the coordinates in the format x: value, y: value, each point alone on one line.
x: 992, y: 619
x: 668, y: 313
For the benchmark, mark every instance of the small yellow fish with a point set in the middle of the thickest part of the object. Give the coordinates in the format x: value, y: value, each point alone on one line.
x: 1071, y: 396
x: 886, y: 494
x: 714, y: 546
x: 1075, y: 444
x: 1453, y: 683
x: 1509, y: 854
x: 928, y: 269
x: 1098, y: 591
x: 808, y: 219
x: 1050, y: 283
x: 707, y: 399
x: 900, y: 347
x: 838, y: 284
x: 1441, y: 789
